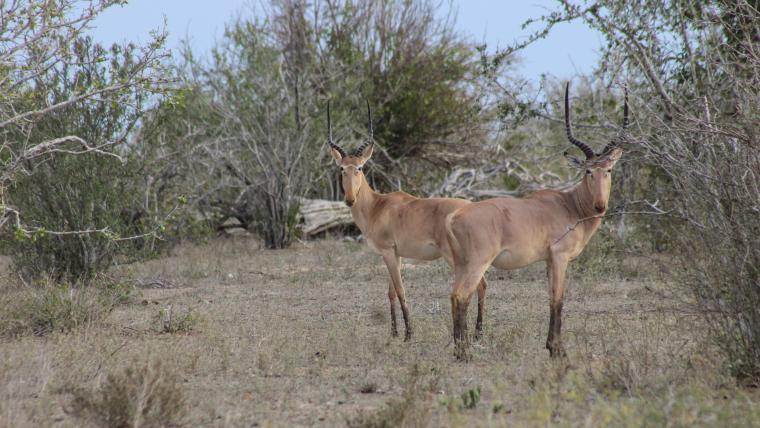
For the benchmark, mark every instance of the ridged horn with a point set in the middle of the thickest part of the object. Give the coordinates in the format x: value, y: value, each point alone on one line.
x: 615, y: 143
x: 329, y: 134
x: 580, y: 144
x: 370, y: 139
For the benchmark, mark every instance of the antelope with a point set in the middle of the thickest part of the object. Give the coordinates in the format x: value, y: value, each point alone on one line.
x: 397, y: 224
x: 549, y: 225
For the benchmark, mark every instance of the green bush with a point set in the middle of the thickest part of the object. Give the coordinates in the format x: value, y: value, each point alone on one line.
x: 68, y: 194
x: 77, y: 200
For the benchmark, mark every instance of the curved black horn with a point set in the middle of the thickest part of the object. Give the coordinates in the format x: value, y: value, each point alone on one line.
x: 615, y: 143
x: 625, y: 109
x: 581, y: 145
x: 369, y: 122
x: 370, y: 139
x: 329, y: 134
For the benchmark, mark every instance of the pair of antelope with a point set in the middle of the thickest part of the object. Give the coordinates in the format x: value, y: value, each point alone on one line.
x: 507, y: 233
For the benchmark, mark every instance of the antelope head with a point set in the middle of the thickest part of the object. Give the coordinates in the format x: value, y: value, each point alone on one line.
x: 351, y: 165
x: 598, y: 166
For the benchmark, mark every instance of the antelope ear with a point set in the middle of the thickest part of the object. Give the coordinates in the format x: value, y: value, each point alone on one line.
x: 366, y: 153
x: 336, y: 155
x: 613, y: 156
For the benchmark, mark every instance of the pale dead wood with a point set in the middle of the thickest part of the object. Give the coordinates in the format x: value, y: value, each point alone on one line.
x: 474, y: 183
x: 319, y: 215
x: 156, y: 282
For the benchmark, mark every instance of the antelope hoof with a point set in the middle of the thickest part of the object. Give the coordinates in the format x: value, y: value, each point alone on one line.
x: 556, y: 350
x: 461, y: 352
x: 408, y: 336
x: 394, y: 332
x: 478, y: 334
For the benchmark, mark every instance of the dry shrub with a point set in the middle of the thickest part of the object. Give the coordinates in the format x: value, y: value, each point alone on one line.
x: 682, y: 406
x: 646, y: 356
x: 574, y: 401
x: 144, y: 395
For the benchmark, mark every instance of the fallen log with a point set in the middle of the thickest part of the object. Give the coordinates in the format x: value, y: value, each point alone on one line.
x: 318, y: 215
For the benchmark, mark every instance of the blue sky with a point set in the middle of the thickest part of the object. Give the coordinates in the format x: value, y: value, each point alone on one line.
x: 570, y: 49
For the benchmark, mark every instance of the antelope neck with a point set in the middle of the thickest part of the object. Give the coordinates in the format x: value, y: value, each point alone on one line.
x: 365, y: 200
x: 583, y: 202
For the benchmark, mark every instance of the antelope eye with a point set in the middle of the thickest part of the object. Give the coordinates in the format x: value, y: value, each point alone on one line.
x: 609, y: 170
x: 588, y: 171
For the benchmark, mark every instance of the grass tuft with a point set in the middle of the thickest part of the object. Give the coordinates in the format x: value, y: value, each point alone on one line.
x: 47, y: 307
x: 147, y: 395
x: 171, y: 320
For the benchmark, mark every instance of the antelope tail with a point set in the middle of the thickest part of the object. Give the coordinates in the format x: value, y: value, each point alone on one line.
x: 456, y: 249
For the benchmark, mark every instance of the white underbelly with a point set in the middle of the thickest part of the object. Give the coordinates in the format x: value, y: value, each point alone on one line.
x: 418, y: 250
x: 508, y: 260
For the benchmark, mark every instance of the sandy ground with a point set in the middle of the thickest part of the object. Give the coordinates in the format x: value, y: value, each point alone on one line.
x: 301, y: 337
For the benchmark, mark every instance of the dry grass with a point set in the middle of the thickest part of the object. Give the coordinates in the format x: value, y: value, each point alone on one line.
x: 46, y: 307
x: 302, y: 337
